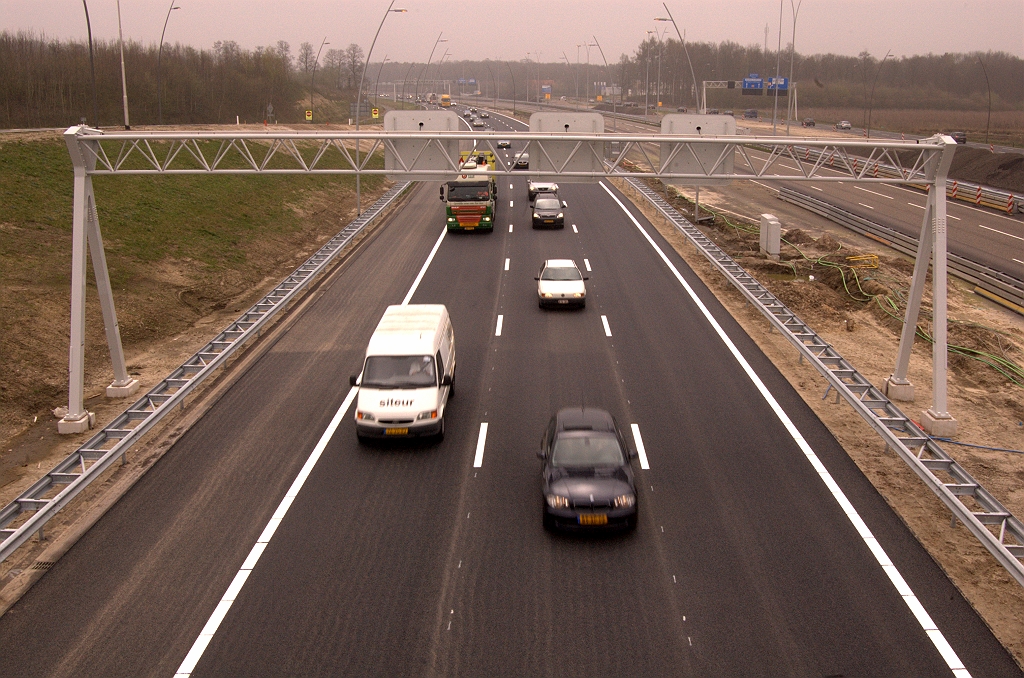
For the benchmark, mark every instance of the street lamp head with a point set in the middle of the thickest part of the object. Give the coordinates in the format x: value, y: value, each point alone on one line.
x: 661, y: 18
x: 398, y: 10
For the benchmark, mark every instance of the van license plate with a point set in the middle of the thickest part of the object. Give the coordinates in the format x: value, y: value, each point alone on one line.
x: 593, y: 519
x: 396, y: 431
x: 563, y: 301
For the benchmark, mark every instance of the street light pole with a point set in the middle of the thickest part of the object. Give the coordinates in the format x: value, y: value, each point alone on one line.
x: 871, y: 100
x: 313, y: 75
x: 608, y: 74
x: 124, y: 82
x: 376, y: 84
x: 682, y: 39
x: 359, y: 99
x: 988, y: 122
x: 778, y: 65
x: 647, y: 81
x: 513, y: 76
x: 792, y: 50
x: 159, y: 55
x: 92, y: 68
x: 422, y: 72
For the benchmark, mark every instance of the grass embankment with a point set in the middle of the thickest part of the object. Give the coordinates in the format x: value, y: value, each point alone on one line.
x: 178, y: 248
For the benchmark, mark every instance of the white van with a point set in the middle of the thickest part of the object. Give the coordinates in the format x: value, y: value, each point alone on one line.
x: 408, y: 374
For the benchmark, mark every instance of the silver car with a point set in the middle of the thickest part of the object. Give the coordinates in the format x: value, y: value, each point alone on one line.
x: 560, y: 283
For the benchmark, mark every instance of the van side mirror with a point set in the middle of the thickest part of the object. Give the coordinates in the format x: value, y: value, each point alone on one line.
x: 442, y: 192
x: 540, y: 454
x: 446, y: 380
x: 586, y: 277
x: 354, y: 380
x: 536, y: 277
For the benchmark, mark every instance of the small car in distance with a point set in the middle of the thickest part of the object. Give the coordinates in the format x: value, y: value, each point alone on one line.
x: 844, y: 124
x: 467, y: 114
x: 959, y: 137
x: 807, y: 122
x: 750, y: 114
x: 560, y: 283
x: 504, y: 143
x: 547, y: 211
x: 477, y: 122
x: 484, y: 114
x: 523, y: 161
x: 587, y: 478
x: 535, y: 187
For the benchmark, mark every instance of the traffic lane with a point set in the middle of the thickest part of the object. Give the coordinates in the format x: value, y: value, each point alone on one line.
x: 965, y: 238
x: 591, y: 607
x: 823, y: 583
x: 358, y: 564
x: 130, y: 597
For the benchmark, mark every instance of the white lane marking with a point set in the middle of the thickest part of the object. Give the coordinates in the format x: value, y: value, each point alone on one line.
x: 948, y: 216
x: 510, y: 186
x: 506, y: 263
x: 419, y: 276
x: 640, y: 449
x: 497, y: 328
x: 868, y: 206
x: 883, y: 195
x: 816, y: 188
x: 996, y: 230
x: 481, y: 440
x: 902, y: 588
x: 510, y: 228
x: 574, y: 229
x: 1019, y: 261
x: 586, y: 262
x: 188, y: 665
x: 920, y: 207
x: 510, y: 203
x: 951, y: 204
x: 607, y: 329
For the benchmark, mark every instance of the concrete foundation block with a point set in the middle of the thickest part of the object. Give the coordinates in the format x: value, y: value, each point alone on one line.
x: 940, y: 427
x: 771, y: 233
x: 83, y: 423
x: 899, y: 390
x: 116, y: 390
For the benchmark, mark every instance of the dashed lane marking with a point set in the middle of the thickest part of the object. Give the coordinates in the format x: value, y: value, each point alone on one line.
x: 586, y: 262
x: 481, y: 441
x: 497, y: 329
x: 574, y: 229
x: 506, y: 263
x: 641, y: 451
x: 607, y: 329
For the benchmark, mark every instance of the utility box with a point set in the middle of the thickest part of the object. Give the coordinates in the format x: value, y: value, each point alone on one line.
x: 549, y: 158
x: 771, y: 234
x: 439, y: 155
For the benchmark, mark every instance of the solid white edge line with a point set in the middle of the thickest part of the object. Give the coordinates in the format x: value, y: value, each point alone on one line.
x: 481, y: 441
x: 641, y: 451
x: 586, y: 262
x: 426, y: 264
x: 497, y: 328
x: 607, y: 327
x: 206, y: 635
x: 506, y: 263
x: 911, y: 601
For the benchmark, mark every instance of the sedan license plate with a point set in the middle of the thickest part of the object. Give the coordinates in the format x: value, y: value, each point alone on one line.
x: 396, y: 431
x: 549, y: 221
x: 593, y: 519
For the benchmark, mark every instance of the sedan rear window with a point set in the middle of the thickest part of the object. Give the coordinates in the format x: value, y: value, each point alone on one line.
x: 587, y: 450
x: 561, y: 274
x: 400, y: 371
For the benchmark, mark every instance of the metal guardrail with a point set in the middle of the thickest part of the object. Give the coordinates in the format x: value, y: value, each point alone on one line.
x: 987, y: 519
x: 964, y: 191
x: 89, y: 461
x: 988, y: 279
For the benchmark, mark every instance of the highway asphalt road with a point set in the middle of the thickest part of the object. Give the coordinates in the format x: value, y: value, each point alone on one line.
x: 430, y: 558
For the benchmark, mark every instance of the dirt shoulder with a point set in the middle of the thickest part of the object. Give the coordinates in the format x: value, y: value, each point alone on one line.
x: 988, y: 408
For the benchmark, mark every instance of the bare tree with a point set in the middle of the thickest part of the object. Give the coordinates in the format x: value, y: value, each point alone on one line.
x: 353, y: 64
x: 306, y: 56
x: 285, y: 51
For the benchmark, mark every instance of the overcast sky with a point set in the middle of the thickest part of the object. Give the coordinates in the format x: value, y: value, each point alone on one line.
x: 479, y: 29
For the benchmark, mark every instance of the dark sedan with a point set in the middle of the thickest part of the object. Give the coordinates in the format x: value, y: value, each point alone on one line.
x: 959, y: 137
x: 587, y: 478
x: 547, y: 211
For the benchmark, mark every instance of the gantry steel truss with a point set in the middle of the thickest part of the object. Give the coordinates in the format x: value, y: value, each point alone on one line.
x: 431, y: 156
